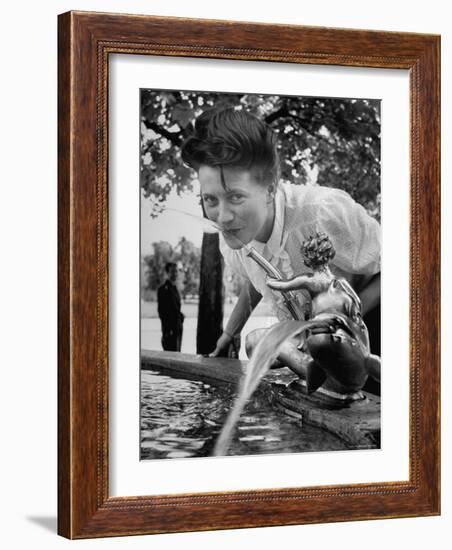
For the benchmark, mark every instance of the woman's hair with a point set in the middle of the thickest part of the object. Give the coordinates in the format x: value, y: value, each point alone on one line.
x: 228, y: 137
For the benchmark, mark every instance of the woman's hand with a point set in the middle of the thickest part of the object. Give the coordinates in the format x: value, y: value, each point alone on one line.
x: 228, y: 345
x: 224, y: 347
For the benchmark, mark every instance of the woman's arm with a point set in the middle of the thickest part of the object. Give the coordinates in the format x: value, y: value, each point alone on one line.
x: 248, y: 300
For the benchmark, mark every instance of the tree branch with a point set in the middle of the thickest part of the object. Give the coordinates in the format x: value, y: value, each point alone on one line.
x: 283, y: 112
x: 279, y: 113
x: 174, y: 137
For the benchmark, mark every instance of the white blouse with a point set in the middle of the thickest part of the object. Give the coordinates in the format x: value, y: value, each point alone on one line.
x: 300, y: 212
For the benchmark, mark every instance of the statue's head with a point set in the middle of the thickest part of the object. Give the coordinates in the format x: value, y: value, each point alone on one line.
x: 318, y: 251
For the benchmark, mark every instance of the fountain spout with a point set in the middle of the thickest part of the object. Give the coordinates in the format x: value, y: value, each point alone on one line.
x: 290, y: 300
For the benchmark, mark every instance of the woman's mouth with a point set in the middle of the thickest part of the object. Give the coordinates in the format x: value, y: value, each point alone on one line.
x: 234, y: 232
x: 233, y: 236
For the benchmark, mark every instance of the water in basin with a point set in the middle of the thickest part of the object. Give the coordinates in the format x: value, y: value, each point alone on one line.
x: 182, y: 418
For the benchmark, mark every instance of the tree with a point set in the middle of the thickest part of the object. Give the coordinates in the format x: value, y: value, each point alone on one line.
x: 185, y: 253
x: 166, y: 121
x: 330, y: 141
x: 155, y: 264
x: 190, y: 257
x: 337, y: 139
x: 210, y: 310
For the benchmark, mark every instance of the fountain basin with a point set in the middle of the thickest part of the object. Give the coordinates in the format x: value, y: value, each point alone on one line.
x: 213, y: 369
x: 332, y: 425
x: 356, y: 422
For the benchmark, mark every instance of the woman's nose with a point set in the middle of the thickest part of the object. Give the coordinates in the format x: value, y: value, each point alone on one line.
x: 225, y: 214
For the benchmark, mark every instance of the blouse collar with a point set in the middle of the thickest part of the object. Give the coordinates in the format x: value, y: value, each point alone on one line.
x: 273, y: 245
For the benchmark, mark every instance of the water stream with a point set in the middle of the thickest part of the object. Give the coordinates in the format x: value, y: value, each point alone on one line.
x: 182, y: 418
x: 185, y: 418
x: 263, y: 356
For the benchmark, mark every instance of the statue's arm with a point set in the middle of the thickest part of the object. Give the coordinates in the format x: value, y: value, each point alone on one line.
x: 312, y: 284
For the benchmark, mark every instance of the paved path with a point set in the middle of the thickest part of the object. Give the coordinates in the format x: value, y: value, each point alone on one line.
x: 151, y: 333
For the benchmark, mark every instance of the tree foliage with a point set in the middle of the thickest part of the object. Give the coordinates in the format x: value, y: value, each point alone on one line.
x: 330, y: 141
x: 185, y: 254
x: 189, y: 256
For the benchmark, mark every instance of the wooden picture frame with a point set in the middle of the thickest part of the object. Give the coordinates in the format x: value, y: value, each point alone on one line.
x: 85, y: 42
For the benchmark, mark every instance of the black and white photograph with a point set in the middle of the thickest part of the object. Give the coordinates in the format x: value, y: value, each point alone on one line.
x: 260, y: 260
x: 198, y: 200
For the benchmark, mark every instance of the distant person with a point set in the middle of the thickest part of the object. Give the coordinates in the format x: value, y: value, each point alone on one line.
x: 169, y: 309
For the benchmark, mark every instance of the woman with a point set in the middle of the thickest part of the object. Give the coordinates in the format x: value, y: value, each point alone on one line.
x: 235, y: 156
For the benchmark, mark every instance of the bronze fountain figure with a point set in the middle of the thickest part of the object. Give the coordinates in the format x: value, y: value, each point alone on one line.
x: 337, y: 338
x: 330, y: 350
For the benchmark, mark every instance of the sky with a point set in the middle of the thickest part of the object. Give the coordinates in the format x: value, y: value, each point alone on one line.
x: 170, y: 226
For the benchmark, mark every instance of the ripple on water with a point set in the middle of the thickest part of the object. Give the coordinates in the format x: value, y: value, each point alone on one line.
x: 182, y: 418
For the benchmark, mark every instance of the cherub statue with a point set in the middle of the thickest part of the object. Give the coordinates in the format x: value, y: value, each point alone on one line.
x: 331, y: 349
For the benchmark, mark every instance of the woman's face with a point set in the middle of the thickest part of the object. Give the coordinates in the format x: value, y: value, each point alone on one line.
x: 244, y: 210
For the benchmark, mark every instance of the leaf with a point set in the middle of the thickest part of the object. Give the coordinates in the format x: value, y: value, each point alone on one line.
x: 183, y: 113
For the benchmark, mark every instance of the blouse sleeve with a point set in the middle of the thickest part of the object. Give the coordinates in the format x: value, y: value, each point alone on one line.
x: 354, y: 233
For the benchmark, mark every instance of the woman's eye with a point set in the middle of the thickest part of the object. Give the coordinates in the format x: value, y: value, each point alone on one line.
x: 236, y: 197
x: 209, y: 201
